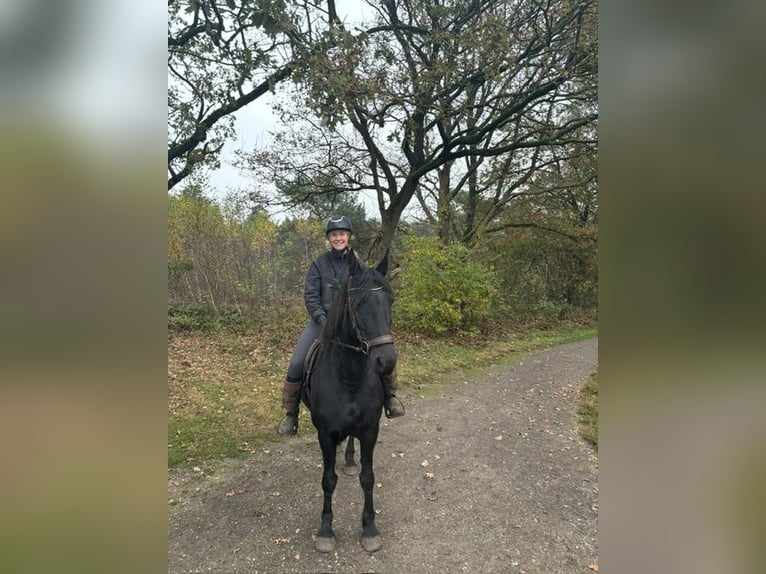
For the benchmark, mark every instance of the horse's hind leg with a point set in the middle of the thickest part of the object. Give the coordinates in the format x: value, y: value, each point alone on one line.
x: 325, y: 540
x: 350, y: 467
x: 371, y: 540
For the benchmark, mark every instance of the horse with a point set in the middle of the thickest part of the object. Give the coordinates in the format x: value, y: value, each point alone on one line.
x: 343, y: 389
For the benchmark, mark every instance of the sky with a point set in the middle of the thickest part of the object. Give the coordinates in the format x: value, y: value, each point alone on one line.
x: 253, y: 123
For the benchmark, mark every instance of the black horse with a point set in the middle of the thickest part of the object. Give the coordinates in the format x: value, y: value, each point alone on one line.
x: 344, y: 391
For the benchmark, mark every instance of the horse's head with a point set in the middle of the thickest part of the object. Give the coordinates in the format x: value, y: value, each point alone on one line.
x: 369, y: 312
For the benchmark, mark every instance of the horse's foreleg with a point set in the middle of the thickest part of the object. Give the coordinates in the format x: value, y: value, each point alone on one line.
x: 325, y: 541
x: 370, y: 535
x: 350, y: 468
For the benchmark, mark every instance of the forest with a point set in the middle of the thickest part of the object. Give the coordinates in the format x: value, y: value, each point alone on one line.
x: 461, y: 136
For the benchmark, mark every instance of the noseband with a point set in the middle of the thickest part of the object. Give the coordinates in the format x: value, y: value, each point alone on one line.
x: 364, y: 344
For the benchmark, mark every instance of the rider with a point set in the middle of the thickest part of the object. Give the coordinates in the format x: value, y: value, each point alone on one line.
x: 322, y: 283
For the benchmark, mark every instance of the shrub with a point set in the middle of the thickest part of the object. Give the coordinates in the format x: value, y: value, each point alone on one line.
x: 190, y: 318
x: 442, y: 290
x: 587, y: 410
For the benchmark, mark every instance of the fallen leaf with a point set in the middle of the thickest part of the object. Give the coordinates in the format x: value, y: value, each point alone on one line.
x: 428, y: 475
x: 281, y: 541
x: 593, y: 567
x: 499, y: 437
x: 424, y: 463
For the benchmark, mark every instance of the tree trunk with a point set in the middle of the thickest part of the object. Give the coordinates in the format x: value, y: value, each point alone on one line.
x: 444, y: 204
x: 389, y: 218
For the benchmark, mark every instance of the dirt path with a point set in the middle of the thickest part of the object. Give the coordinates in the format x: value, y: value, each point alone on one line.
x: 489, y: 477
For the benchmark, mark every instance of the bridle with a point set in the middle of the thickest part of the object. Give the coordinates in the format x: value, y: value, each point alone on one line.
x: 364, y: 344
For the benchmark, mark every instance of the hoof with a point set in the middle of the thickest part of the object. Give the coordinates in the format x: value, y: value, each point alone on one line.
x: 351, y: 470
x: 372, y: 543
x: 324, y: 544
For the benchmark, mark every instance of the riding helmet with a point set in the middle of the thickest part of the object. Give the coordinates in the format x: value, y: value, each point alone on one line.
x: 338, y: 222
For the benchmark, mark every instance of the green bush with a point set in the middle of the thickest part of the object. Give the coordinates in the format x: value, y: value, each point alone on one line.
x: 545, y: 278
x: 188, y: 318
x: 202, y: 318
x: 442, y: 290
x: 587, y: 410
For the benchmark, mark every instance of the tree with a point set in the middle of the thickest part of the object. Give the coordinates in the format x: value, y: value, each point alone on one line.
x: 221, y: 57
x: 544, y: 245
x: 431, y: 88
x: 195, y: 229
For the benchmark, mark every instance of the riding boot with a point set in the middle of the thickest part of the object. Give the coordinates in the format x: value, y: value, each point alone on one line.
x: 392, y: 406
x: 291, y: 402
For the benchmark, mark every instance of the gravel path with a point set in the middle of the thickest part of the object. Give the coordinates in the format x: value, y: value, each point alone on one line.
x: 490, y: 476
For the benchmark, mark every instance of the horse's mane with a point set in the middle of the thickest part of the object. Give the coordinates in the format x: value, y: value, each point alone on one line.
x: 334, y: 322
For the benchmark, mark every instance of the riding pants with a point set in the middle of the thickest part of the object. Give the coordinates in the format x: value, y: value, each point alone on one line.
x: 295, y: 370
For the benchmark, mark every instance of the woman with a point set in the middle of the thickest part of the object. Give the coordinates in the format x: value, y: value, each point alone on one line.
x: 322, y: 284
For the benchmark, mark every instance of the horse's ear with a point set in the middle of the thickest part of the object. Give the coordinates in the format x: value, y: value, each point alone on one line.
x: 382, y: 267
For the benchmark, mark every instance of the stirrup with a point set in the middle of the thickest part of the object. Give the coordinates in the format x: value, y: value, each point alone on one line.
x: 288, y: 425
x: 390, y: 411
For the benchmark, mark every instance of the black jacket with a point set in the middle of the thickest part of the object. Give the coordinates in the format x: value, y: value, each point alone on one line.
x: 323, y: 282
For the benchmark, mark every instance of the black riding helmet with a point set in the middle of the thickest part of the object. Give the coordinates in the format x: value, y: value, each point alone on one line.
x: 338, y: 222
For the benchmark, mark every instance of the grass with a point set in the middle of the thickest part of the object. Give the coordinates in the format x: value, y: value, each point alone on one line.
x: 587, y: 411
x: 224, y: 387
x: 430, y: 365
x: 223, y: 395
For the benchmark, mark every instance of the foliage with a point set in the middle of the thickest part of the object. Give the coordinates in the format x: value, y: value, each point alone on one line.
x: 240, y: 263
x: 545, y: 253
x: 443, y: 289
x: 460, y: 108
x: 222, y: 56
x: 232, y: 266
x: 190, y: 319
x: 587, y: 411
x: 466, y: 108
x: 233, y: 258
x: 195, y: 225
